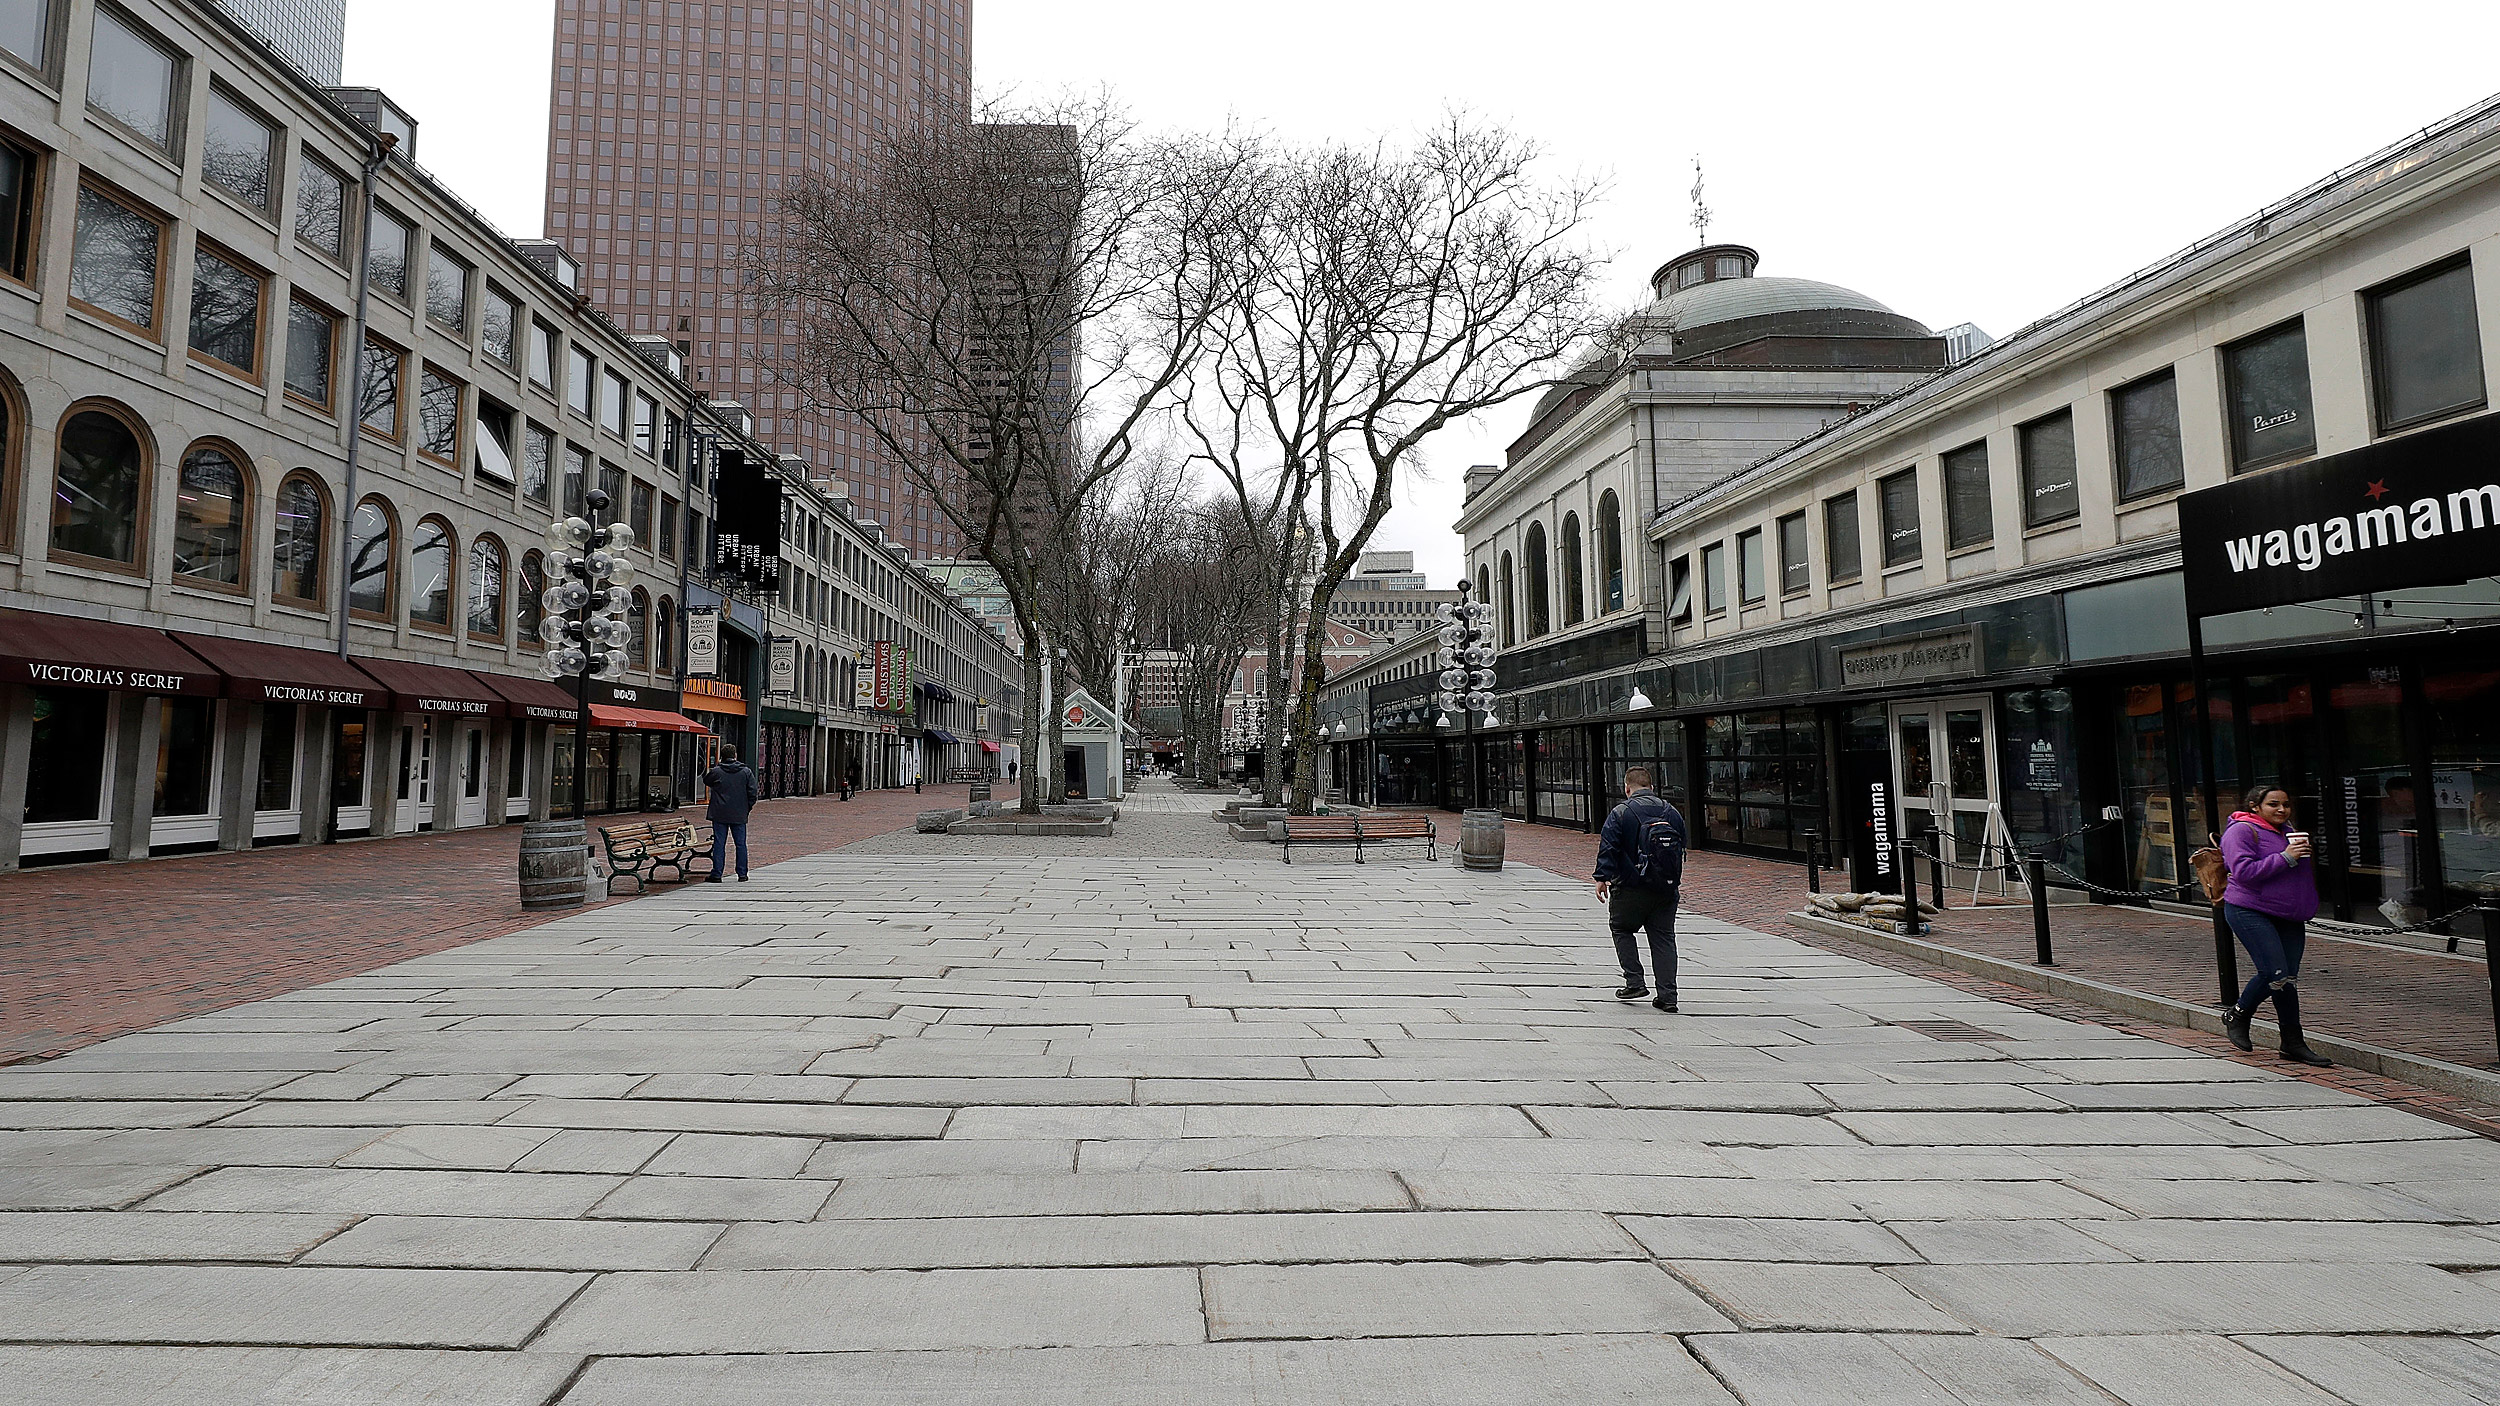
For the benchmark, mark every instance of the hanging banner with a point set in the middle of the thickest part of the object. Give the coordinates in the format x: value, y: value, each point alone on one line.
x: 863, y: 682
x: 702, y: 643
x: 784, y: 675
x: 884, y: 696
x: 904, y: 702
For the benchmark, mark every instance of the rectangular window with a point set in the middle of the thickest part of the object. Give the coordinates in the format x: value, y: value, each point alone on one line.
x: 131, y: 79
x: 538, y: 462
x: 1714, y: 578
x: 2049, y: 493
x: 312, y: 348
x: 113, y: 259
x: 238, y: 148
x: 576, y: 480
x: 612, y: 483
x: 1796, y: 573
x: 1841, y: 550
x: 1968, y: 518
x: 491, y: 438
x: 612, y: 409
x: 321, y: 207
x: 1897, y: 497
x: 2426, y: 347
x: 26, y: 32
x: 226, y: 300
x: 1749, y: 568
x: 438, y: 416
x: 277, y: 758
x: 668, y: 529
x: 21, y: 171
x: 378, y: 376
x: 581, y: 385
x: 640, y: 517
x: 447, y: 290
x: 673, y: 443
x: 502, y: 327
x: 2145, y: 419
x: 646, y: 424
x: 543, y: 357
x: 2267, y: 380
x: 387, y: 246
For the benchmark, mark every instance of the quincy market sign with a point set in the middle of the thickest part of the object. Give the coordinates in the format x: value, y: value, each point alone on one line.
x: 2421, y: 510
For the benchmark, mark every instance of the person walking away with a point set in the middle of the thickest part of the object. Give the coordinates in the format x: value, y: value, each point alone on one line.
x: 735, y: 790
x: 2272, y: 894
x: 1640, y: 869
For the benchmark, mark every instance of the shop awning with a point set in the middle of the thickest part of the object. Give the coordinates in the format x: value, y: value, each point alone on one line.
x: 432, y: 688
x: 938, y: 691
x: 989, y: 746
x: 642, y: 719
x: 276, y: 673
x: 67, y: 651
x: 941, y: 734
x: 539, y: 700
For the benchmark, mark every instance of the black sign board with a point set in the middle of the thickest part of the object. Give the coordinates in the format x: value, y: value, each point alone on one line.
x: 2421, y: 510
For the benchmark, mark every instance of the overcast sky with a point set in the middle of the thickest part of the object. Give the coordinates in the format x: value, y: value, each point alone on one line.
x: 1983, y: 163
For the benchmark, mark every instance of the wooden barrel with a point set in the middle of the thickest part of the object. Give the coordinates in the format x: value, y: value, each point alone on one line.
x: 1480, y: 839
x: 555, y: 863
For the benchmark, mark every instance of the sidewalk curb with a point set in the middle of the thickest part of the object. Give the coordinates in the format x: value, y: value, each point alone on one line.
x: 2430, y: 1073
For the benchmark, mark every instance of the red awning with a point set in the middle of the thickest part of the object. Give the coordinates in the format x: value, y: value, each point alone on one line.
x: 535, y: 699
x: 277, y: 673
x: 56, y: 651
x: 432, y: 688
x: 989, y: 746
x: 643, y: 719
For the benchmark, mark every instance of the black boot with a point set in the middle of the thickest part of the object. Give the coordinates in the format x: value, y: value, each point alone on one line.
x: 2287, y: 1015
x: 2235, y: 1029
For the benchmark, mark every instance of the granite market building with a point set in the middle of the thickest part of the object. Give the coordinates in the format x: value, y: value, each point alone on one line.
x: 1961, y: 608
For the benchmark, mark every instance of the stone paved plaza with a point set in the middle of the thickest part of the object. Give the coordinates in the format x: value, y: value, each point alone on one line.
x: 1162, y: 1120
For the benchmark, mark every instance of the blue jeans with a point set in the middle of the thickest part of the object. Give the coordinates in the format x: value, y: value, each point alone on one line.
x: 722, y: 833
x: 2273, y: 943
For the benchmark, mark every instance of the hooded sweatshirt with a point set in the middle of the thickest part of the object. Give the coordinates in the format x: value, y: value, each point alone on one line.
x: 2261, y: 878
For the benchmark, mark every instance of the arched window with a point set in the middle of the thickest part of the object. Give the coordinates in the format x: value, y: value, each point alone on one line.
x: 295, y: 548
x: 664, y: 644
x: 1573, y: 611
x: 1540, y: 593
x: 638, y: 619
x: 486, y: 589
x: 429, y: 574
x: 1610, y: 549
x: 212, y: 502
x: 1484, y: 585
x: 12, y: 456
x: 527, y: 612
x: 1510, y: 624
x: 100, y: 489
x: 370, y: 559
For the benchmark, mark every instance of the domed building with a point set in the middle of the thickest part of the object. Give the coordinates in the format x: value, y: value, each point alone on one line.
x: 1724, y: 367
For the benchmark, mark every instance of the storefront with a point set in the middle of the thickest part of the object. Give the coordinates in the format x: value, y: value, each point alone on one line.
x: 310, y: 776
x: 442, y: 722
x: 636, y: 743
x: 121, y: 736
x: 539, y: 709
x: 786, y: 759
x: 719, y: 709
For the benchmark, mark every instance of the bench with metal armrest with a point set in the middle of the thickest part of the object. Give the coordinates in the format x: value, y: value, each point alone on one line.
x: 646, y: 847
x: 1360, y: 830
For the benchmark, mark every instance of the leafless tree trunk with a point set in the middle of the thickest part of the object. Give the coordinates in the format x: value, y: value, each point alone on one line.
x: 1005, y: 303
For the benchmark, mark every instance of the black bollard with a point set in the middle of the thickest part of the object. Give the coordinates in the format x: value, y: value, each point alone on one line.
x: 2040, y: 912
x: 1909, y: 888
x: 1935, y: 871
x: 1814, y: 862
x: 2488, y: 905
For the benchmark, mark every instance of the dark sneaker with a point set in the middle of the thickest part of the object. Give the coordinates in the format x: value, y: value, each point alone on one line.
x: 1632, y: 992
x: 742, y: 878
x: 713, y: 880
x: 1665, y: 1003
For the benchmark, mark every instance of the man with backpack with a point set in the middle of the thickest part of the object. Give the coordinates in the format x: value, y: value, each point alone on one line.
x: 1640, y: 863
x: 735, y: 789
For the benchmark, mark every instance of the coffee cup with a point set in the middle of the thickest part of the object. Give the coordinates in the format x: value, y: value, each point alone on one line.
x: 2298, y: 837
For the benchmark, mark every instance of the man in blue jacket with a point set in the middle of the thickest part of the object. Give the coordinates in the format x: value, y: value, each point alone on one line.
x: 1640, y: 864
x: 735, y: 789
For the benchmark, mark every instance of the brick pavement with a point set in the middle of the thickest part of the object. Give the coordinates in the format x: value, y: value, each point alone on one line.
x: 95, y: 950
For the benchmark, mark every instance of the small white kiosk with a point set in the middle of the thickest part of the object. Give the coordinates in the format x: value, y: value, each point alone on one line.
x: 1089, y: 740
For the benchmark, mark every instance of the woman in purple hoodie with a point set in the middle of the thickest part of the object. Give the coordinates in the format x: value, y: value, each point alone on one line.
x: 2272, y: 893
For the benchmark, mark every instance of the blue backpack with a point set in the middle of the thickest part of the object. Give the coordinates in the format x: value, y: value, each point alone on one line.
x: 1658, y: 852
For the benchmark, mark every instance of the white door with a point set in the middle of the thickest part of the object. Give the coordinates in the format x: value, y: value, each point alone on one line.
x: 416, y: 776
x: 472, y: 775
x: 1944, y: 769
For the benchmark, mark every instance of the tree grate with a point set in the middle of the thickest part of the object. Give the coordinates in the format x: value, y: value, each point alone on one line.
x: 1950, y: 1030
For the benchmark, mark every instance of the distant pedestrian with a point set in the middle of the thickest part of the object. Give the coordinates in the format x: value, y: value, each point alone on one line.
x: 1640, y: 869
x: 2272, y: 895
x: 915, y: 775
x: 735, y: 789
x: 850, y: 781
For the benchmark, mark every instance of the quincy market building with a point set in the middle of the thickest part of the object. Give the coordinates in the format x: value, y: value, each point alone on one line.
x: 1962, y: 607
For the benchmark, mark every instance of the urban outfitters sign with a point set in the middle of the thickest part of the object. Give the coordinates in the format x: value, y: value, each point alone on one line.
x: 1947, y: 654
x: 2422, y: 510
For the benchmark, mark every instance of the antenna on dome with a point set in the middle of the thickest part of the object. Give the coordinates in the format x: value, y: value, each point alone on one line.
x: 1701, y: 212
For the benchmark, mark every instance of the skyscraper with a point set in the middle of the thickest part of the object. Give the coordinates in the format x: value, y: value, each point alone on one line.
x: 310, y: 34
x: 671, y: 126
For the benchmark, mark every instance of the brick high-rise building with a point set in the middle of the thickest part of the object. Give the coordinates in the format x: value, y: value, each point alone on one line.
x: 673, y: 124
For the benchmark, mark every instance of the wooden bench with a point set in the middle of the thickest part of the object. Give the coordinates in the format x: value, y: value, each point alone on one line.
x: 1360, y: 830
x: 643, y: 849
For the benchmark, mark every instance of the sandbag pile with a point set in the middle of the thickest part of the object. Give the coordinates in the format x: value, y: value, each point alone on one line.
x: 1883, y: 912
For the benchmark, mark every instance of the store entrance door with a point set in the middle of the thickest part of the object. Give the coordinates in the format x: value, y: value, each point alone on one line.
x: 1944, y: 770
x: 472, y: 775
x: 416, y: 776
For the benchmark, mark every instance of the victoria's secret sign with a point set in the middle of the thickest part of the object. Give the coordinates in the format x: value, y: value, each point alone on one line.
x: 2422, y: 510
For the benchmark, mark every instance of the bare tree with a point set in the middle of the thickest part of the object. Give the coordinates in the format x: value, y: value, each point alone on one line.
x: 1204, y: 603
x: 1386, y: 293
x: 1113, y: 545
x: 1005, y: 303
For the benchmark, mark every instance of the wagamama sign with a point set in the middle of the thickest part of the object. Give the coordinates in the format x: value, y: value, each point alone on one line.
x: 2423, y: 510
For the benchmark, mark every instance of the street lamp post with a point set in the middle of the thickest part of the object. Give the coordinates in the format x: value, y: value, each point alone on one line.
x: 1467, y: 689
x: 585, y: 629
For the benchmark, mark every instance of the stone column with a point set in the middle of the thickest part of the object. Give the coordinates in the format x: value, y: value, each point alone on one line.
x: 500, y: 740
x: 238, y: 781
x: 136, y: 734
x: 17, y: 745
x: 385, y: 754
